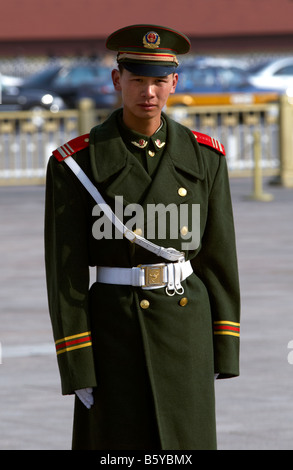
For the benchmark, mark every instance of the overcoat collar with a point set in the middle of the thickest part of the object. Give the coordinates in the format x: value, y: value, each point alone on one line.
x: 119, y: 171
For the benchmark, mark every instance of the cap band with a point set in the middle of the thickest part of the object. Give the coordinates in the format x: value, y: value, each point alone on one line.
x: 148, y: 57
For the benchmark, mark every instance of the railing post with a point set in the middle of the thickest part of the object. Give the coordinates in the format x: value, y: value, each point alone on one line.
x: 286, y: 142
x: 87, y: 118
x: 258, y: 194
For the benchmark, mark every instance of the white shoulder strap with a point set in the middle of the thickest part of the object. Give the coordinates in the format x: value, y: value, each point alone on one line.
x: 168, y: 253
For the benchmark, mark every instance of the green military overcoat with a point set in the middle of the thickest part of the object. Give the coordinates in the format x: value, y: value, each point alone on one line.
x: 152, y: 369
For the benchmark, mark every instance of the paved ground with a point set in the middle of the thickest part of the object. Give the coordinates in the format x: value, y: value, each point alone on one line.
x: 254, y: 411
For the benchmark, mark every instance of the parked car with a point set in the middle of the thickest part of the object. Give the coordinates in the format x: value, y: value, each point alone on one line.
x: 74, y: 82
x: 274, y: 74
x: 217, y: 85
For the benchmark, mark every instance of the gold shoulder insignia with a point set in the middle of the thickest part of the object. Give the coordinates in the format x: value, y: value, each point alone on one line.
x: 71, y: 147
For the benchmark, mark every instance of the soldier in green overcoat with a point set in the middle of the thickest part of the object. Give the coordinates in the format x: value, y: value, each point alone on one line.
x: 141, y: 345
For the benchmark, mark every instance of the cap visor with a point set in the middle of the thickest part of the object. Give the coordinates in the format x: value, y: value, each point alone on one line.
x: 147, y: 70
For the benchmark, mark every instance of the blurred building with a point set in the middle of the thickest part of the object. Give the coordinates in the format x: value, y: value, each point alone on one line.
x: 78, y: 27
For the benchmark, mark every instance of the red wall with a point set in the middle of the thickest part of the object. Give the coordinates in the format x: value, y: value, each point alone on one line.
x: 36, y: 23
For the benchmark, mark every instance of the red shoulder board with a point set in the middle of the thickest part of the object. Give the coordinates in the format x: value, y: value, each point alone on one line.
x: 207, y: 140
x: 71, y: 147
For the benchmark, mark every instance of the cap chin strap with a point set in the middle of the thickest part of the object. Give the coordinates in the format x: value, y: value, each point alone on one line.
x: 171, y: 254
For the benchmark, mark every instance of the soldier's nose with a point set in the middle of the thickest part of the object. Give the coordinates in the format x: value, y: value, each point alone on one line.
x: 148, y: 91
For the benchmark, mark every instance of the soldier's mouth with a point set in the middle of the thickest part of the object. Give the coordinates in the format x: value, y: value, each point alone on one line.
x: 147, y: 106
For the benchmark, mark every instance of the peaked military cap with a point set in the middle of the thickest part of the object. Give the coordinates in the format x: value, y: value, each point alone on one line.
x: 148, y: 50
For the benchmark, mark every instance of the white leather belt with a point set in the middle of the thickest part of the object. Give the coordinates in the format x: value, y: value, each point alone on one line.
x: 148, y: 276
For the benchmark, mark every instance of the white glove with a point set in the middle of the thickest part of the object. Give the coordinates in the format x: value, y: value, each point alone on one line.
x: 86, y: 396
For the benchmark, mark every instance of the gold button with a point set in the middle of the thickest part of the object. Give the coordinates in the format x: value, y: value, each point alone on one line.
x: 182, y: 192
x: 184, y: 230
x: 144, y: 303
x: 138, y: 231
x: 183, y: 301
x: 151, y: 153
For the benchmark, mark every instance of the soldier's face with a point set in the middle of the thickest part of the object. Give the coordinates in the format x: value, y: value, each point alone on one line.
x: 143, y: 97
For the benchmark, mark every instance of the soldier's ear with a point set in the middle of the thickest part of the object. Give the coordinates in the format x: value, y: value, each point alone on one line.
x: 116, y: 79
x: 174, y: 83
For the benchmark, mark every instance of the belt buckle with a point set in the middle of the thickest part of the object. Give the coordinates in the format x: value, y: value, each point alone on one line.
x: 153, y: 275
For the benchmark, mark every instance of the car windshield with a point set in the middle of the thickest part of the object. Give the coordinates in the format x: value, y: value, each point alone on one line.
x: 41, y: 77
x: 254, y: 69
x: 210, y: 77
x: 81, y: 75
